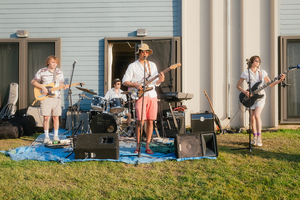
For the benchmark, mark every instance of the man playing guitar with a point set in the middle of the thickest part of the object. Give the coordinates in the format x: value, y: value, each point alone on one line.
x: 52, y: 104
x: 135, y: 73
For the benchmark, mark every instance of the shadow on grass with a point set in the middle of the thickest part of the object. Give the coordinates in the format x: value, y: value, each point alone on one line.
x: 264, y: 153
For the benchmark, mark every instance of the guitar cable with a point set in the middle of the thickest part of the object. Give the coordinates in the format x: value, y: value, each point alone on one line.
x: 240, y: 109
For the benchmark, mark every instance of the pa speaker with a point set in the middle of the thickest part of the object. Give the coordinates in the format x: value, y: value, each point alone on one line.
x: 202, y: 122
x: 196, y: 145
x: 188, y: 145
x: 97, y: 146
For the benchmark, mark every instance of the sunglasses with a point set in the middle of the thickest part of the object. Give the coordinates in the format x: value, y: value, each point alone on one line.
x: 147, y: 51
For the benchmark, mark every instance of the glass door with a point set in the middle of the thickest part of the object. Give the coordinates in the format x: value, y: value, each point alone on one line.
x: 290, y: 94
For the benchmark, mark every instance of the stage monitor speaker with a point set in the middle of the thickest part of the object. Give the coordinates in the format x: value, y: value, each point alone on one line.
x: 97, y: 146
x: 196, y: 145
x: 202, y: 122
x: 169, y: 126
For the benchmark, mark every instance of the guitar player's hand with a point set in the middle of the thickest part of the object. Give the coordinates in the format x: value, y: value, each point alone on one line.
x: 246, y: 93
x: 138, y: 86
x: 45, y: 91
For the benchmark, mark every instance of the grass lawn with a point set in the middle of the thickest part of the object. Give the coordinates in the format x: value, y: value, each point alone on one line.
x: 235, y: 174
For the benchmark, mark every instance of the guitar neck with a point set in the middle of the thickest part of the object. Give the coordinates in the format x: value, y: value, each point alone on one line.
x: 155, y: 77
x: 60, y: 87
x: 270, y: 82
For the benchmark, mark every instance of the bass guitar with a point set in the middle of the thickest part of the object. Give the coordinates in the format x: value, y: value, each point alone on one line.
x: 39, y: 95
x: 248, y: 102
x: 136, y: 94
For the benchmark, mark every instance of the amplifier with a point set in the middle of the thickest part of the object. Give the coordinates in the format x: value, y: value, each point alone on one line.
x: 202, y: 122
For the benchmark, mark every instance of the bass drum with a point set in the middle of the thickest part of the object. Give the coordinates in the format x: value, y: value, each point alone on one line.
x: 103, y: 123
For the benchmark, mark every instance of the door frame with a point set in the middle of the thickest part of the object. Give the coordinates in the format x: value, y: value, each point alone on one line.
x: 176, y: 55
x: 282, y: 92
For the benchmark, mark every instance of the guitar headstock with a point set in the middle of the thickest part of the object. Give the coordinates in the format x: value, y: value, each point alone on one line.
x: 175, y: 66
x: 81, y: 84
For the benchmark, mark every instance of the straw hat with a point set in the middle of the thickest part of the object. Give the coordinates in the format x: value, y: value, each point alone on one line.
x: 144, y: 47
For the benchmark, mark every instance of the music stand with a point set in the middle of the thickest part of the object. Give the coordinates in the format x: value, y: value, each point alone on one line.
x: 249, y: 108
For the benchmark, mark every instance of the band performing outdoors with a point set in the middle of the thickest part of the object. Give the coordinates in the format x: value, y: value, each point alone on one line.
x: 138, y: 113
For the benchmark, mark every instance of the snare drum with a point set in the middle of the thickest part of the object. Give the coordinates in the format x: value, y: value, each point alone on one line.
x: 99, y: 103
x: 116, y: 105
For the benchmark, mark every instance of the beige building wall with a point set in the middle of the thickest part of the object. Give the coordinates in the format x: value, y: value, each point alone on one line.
x: 217, y: 37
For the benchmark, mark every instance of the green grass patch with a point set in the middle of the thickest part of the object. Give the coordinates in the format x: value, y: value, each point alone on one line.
x: 235, y: 174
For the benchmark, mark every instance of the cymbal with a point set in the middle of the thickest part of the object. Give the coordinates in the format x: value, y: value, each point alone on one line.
x: 86, y: 90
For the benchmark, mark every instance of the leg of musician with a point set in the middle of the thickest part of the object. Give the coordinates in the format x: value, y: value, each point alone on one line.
x: 138, y: 134
x: 149, y: 134
x: 55, y: 127
x: 46, y: 128
x: 258, y: 122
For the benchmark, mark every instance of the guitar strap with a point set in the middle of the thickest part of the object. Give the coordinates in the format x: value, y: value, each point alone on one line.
x: 149, y: 70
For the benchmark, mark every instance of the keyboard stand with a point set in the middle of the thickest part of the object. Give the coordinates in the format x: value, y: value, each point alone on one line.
x: 174, y: 119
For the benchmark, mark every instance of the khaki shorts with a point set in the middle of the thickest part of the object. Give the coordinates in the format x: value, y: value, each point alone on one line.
x: 51, y: 107
x: 150, y: 108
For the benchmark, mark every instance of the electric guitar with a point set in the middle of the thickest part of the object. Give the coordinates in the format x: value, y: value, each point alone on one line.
x: 39, y: 95
x: 248, y: 102
x: 136, y: 94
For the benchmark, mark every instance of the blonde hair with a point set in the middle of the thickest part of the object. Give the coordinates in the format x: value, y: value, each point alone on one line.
x: 51, y: 57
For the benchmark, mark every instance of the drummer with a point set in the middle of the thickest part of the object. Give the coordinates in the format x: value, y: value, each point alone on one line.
x: 115, y: 92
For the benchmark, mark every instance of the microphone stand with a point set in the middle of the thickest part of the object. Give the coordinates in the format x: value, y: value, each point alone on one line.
x: 249, y: 108
x: 70, y: 103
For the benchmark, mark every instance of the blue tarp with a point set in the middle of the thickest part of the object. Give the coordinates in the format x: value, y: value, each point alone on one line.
x: 37, y: 151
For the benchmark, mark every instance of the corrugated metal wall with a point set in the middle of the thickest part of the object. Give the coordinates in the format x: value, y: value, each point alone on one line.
x: 83, y: 24
x: 289, y: 17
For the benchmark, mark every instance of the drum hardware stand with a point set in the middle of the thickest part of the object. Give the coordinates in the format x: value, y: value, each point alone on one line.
x: 249, y: 109
x: 131, y: 125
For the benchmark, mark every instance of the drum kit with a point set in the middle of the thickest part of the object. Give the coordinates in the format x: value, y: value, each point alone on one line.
x: 106, y: 116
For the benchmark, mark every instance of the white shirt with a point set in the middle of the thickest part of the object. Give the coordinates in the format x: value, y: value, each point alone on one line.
x: 254, y: 78
x: 135, y: 73
x: 45, y: 76
x: 112, y: 94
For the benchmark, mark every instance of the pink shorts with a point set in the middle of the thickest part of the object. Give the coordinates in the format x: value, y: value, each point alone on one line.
x: 150, y: 108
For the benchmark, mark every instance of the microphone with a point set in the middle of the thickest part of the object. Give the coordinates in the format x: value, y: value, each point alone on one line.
x: 298, y: 66
x: 75, y: 61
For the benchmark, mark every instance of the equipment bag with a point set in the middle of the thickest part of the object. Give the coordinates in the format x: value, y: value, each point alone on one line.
x: 26, y: 122
x: 8, y: 131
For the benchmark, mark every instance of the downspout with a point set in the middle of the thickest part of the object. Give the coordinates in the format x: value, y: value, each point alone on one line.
x: 228, y: 60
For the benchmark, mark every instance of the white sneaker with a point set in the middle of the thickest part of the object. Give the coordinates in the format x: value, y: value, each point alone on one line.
x: 47, y: 140
x: 55, y: 138
x: 254, y: 141
x: 259, y: 142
